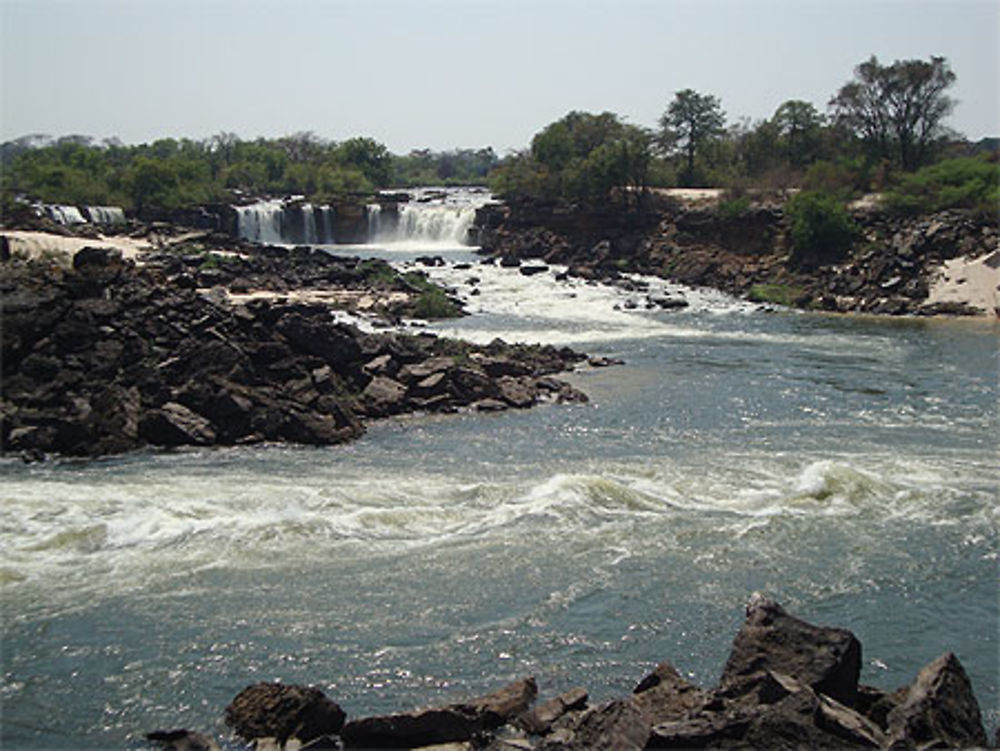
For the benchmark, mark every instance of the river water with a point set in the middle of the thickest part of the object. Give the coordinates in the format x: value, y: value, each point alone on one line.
x: 846, y: 466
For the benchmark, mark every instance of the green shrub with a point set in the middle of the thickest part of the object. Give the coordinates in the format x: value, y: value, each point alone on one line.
x: 967, y: 183
x: 779, y: 294
x: 434, y: 303
x: 820, y: 228
x: 733, y: 208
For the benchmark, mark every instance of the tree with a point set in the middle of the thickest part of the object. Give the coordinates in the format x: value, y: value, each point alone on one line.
x: 897, y: 110
x: 799, y: 125
x: 369, y: 156
x: 690, y: 121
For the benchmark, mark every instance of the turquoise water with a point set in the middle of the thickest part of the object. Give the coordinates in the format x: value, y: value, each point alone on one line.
x: 846, y: 466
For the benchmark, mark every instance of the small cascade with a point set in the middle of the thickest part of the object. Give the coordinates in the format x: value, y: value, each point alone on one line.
x: 373, y: 212
x: 107, y: 215
x: 62, y: 214
x: 276, y: 222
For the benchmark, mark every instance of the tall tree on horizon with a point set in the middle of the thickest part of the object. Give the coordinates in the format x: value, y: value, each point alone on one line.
x: 898, y: 109
x: 690, y: 121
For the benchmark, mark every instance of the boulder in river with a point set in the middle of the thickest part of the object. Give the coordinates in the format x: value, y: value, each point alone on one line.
x: 283, y: 711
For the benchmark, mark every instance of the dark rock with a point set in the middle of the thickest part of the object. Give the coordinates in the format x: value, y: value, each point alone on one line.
x: 174, y: 424
x: 705, y: 730
x: 938, y: 710
x: 669, y: 303
x: 604, y: 362
x: 455, y: 722
x: 517, y: 392
x: 325, y: 742
x: 273, y: 709
x: 385, y: 394
x: 665, y: 696
x: 825, y: 659
x: 539, y: 720
x: 613, y: 726
x: 336, y: 344
x: 533, y: 269
x: 183, y: 740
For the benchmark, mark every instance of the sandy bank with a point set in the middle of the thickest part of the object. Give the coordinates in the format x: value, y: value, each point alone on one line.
x: 973, y: 281
x: 32, y: 244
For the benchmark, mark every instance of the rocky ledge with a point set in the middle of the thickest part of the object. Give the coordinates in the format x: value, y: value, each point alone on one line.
x: 891, y: 268
x: 109, y: 356
x: 787, y: 684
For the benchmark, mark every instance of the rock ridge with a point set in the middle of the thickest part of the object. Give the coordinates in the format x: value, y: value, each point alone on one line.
x: 787, y: 684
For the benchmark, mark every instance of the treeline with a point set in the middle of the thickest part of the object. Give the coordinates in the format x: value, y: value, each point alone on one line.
x: 883, y: 129
x: 171, y: 173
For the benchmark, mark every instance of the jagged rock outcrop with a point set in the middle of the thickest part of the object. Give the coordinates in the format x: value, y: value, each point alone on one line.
x: 890, y: 268
x: 108, y: 357
x: 787, y: 684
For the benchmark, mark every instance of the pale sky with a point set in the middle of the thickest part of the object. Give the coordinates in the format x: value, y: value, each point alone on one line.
x: 445, y: 74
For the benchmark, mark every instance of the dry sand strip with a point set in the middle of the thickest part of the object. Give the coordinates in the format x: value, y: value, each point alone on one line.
x: 973, y: 281
x: 28, y: 244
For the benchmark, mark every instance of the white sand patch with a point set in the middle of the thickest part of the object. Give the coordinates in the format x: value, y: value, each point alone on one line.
x: 973, y: 281
x: 353, y: 299
x: 693, y: 196
x: 40, y: 244
x: 27, y: 244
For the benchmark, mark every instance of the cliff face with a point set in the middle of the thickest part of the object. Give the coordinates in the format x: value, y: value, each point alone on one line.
x: 890, y: 269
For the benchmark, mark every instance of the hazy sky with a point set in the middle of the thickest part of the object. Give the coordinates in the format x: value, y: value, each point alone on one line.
x: 443, y: 74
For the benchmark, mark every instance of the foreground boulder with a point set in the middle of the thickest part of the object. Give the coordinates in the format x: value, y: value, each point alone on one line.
x: 827, y: 660
x: 452, y: 723
x: 938, y: 708
x: 274, y: 710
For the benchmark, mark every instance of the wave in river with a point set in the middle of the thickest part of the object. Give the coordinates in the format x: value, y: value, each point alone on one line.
x: 120, y: 527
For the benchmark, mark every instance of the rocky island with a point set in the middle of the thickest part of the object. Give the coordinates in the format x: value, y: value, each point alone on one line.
x: 235, y: 345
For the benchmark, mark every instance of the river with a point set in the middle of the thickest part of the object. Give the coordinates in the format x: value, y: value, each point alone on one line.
x: 846, y: 466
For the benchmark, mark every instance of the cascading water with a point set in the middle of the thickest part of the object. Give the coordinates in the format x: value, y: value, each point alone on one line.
x: 105, y: 214
x: 432, y: 217
x: 276, y: 222
x: 64, y: 214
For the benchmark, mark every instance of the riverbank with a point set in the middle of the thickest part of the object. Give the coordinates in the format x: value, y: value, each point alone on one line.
x: 945, y: 263
x: 786, y: 684
x: 224, y: 343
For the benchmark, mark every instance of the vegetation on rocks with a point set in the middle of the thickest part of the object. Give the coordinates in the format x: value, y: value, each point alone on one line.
x: 820, y: 228
x: 965, y: 183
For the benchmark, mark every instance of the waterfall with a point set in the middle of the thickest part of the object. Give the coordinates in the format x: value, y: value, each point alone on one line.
x: 432, y: 216
x: 373, y: 212
x: 309, y: 224
x: 61, y: 214
x: 105, y: 214
x: 326, y: 224
x: 261, y: 222
x: 276, y: 222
